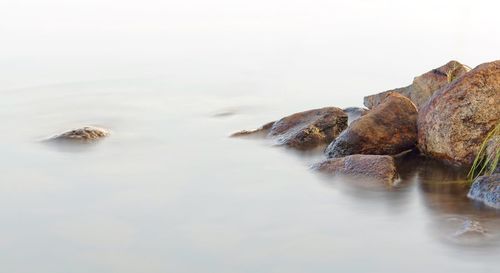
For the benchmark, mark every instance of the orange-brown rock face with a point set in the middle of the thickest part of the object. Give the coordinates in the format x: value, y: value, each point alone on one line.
x: 423, y: 86
x: 375, y: 167
x: 456, y: 120
x: 388, y: 129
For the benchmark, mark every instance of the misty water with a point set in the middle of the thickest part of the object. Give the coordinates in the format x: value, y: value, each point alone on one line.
x: 169, y: 191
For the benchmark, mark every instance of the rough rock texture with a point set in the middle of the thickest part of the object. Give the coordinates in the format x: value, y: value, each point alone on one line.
x: 388, y: 129
x: 353, y: 113
x: 487, y: 190
x: 456, y: 120
x: 82, y: 134
x: 424, y: 85
x: 305, y: 130
x: 493, y: 149
x: 377, y: 167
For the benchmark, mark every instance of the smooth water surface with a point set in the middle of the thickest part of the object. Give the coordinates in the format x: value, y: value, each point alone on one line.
x: 169, y: 191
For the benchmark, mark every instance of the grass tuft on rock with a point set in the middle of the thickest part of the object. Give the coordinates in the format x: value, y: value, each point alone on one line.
x: 484, y: 163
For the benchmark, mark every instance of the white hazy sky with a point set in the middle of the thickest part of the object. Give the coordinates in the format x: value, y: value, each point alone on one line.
x: 53, y: 41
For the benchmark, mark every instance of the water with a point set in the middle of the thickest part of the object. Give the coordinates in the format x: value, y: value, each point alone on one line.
x: 169, y: 191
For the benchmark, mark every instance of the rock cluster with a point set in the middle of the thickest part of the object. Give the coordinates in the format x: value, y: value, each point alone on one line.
x: 423, y: 86
x: 454, y: 122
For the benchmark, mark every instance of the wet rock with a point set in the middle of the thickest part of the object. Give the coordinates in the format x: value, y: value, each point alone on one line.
x: 376, y: 167
x: 305, y: 130
x: 353, y: 113
x: 487, y: 190
x: 424, y: 85
x: 84, y: 134
x: 456, y: 120
x: 388, y: 129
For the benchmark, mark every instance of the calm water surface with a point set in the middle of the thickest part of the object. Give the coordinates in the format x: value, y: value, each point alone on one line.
x: 168, y: 191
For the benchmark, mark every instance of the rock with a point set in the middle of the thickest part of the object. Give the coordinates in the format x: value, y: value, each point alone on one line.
x: 388, y: 129
x: 353, y: 113
x: 487, y: 190
x: 470, y: 228
x: 493, y: 150
x: 84, y: 134
x: 305, y: 130
x: 377, y: 167
x: 455, y: 121
x: 424, y: 85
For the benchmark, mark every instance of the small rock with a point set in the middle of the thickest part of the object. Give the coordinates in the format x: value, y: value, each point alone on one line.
x: 377, y: 167
x: 470, y: 228
x: 487, y: 190
x: 455, y: 121
x: 388, y: 129
x: 84, y: 134
x: 423, y: 86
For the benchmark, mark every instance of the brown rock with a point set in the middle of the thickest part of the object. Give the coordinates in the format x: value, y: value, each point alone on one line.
x: 456, y: 120
x: 305, y: 130
x: 377, y: 167
x: 85, y: 134
x: 424, y: 85
x: 388, y: 129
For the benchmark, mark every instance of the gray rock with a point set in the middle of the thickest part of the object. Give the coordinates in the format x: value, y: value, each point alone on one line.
x: 353, y: 113
x: 487, y: 190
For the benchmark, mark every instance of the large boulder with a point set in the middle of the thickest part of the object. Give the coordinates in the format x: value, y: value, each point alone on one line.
x: 374, y: 167
x: 456, y: 120
x: 305, y: 130
x: 424, y: 85
x: 487, y: 190
x: 388, y: 129
x: 84, y: 134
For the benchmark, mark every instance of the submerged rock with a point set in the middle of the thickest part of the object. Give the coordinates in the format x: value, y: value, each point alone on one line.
x: 388, y: 129
x: 470, y: 228
x: 305, y: 130
x: 456, y: 120
x: 424, y: 85
x: 377, y: 167
x: 487, y: 190
x: 84, y: 134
